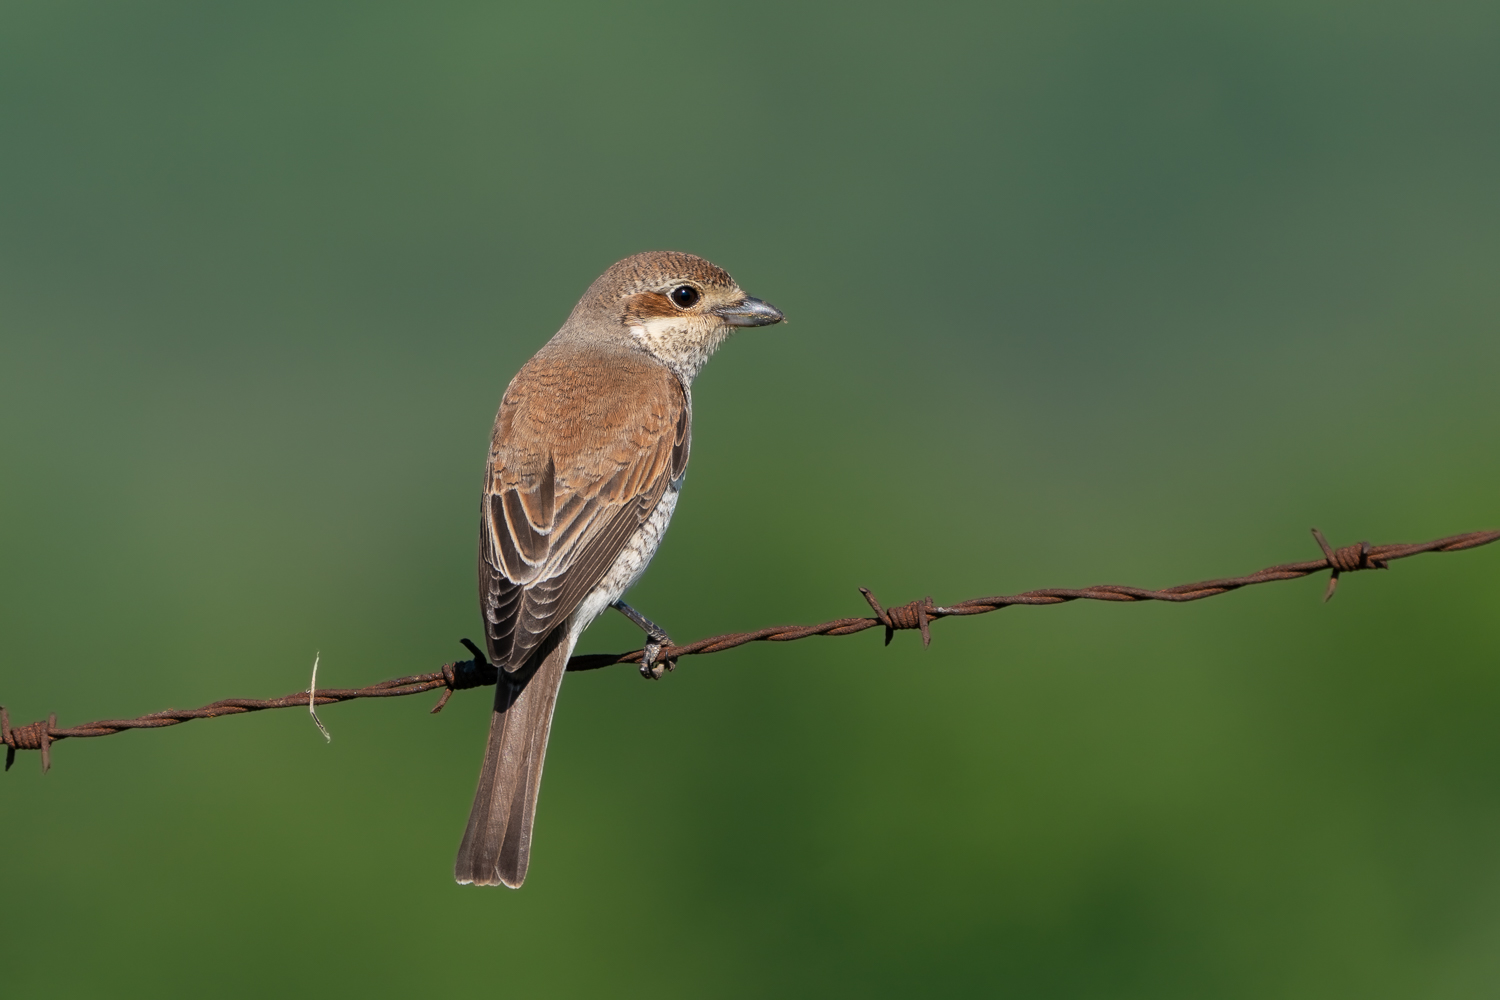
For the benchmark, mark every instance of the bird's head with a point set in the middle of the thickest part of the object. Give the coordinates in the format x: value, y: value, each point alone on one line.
x: 676, y: 306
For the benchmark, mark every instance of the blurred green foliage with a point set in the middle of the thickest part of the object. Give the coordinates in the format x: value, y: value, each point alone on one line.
x: 1079, y: 292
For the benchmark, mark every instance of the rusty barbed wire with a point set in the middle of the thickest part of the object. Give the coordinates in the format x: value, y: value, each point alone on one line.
x: 917, y: 615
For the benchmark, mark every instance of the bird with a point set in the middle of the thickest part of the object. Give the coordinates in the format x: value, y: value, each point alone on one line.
x: 586, y: 461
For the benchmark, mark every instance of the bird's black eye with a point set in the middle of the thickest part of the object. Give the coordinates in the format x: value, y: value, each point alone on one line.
x: 685, y: 296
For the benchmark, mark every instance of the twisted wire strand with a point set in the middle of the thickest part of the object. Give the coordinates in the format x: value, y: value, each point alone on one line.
x: 916, y: 615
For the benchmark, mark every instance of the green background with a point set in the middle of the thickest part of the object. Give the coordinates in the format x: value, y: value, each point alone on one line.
x: 1079, y: 292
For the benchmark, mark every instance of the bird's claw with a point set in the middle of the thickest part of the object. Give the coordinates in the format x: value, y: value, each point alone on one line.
x: 656, y: 641
x: 651, y: 669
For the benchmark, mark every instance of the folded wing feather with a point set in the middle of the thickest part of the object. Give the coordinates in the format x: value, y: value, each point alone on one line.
x: 581, y: 457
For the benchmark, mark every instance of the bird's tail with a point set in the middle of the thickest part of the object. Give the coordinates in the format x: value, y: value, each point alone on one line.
x: 497, y: 843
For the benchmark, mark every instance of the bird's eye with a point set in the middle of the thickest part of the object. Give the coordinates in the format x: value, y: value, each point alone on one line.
x: 685, y: 296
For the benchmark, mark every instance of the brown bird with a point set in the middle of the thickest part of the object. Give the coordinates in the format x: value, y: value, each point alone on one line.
x: 586, y: 461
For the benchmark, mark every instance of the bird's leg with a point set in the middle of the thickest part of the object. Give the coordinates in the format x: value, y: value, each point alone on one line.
x: 656, y: 640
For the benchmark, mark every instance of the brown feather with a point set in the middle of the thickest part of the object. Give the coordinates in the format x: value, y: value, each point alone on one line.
x: 584, y: 447
x: 496, y: 847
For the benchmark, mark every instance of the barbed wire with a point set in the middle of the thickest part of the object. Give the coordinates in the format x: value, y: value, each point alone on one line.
x: 917, y: 615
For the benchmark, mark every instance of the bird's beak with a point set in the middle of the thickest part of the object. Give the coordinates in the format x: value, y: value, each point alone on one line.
x: 749, y: 311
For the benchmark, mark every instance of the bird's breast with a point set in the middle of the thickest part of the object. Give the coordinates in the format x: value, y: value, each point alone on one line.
x: 629, y: 565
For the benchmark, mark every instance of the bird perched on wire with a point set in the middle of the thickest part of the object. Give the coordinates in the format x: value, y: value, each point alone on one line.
x: 587, y: 457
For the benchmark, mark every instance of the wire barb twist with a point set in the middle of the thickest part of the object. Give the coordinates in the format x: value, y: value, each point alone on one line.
x: 918, y: 615
x: 1345, y: 560
x: 32, y: 736
x: 464, y: 674
x: 913, y: 615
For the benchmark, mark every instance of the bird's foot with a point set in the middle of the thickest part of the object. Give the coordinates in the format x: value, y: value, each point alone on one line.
x: 656, y: 640
x: 650, y: 668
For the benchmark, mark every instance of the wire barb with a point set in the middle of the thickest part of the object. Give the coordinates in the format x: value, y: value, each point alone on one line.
x: 32, y: 736
x: 463, y: 674
x: 480, y: 672
x: 913, y: 615
x: 1345, y: 560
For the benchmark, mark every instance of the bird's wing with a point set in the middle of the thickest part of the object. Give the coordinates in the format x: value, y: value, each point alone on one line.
x: 583, y: 449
